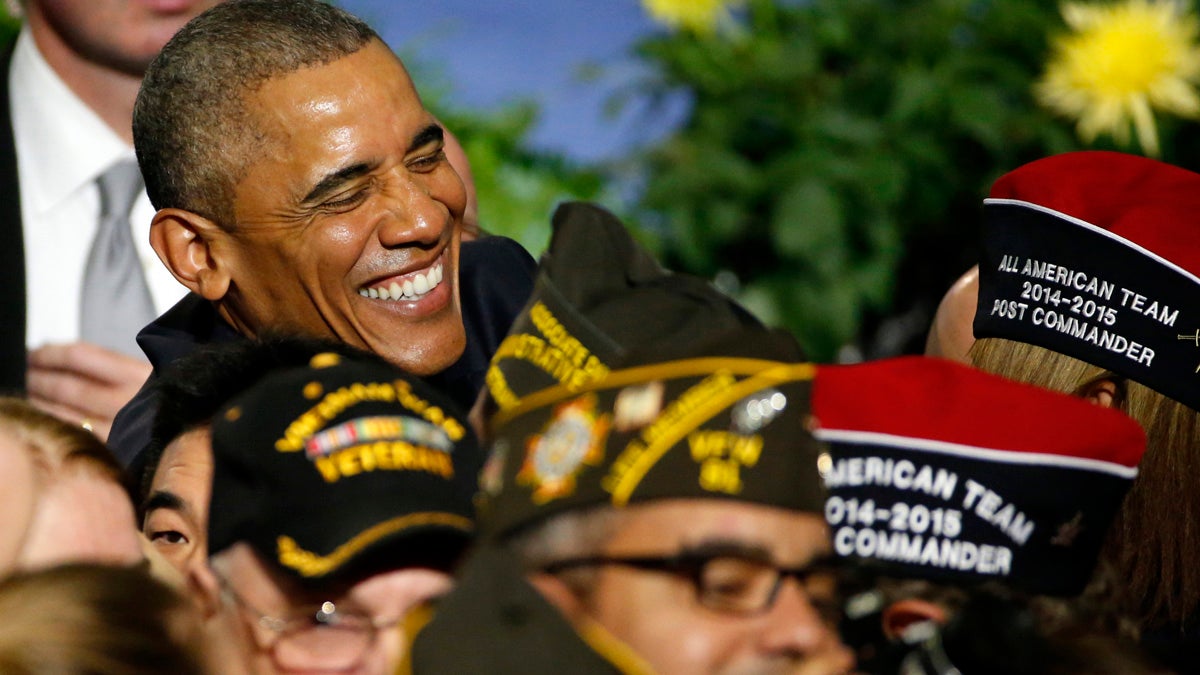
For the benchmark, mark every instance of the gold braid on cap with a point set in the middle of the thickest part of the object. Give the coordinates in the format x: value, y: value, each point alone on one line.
x: 758, y: 373
x: 309, y: 564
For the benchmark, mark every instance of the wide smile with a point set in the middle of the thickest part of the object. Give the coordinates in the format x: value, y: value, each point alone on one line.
x: 409, y: 287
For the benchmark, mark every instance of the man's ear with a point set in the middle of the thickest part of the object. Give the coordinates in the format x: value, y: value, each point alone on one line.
x: 187, y: 242
x: 204, y: 588
x: 559, y: 594
x: 1103, y: 392
x: 904, y: 613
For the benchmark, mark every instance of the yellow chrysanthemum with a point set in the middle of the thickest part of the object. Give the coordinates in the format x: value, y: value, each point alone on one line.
x: 1120, y: 63
x: 700, y: 16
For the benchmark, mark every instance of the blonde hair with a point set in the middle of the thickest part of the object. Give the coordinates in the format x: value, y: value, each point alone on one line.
x: 56, y: 445
x: 87, y: 618
x: 1154, y: 541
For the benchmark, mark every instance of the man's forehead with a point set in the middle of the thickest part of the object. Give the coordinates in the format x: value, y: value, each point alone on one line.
x: 195, y: 443
x: 689, y: 522
x: 359, y: 109
x: 190, y: 451
x: 322, y: 88
x: 244, y: 567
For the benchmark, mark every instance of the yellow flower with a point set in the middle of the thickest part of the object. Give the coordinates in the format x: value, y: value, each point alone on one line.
x: 1120, y: 63
x: 699, y: 16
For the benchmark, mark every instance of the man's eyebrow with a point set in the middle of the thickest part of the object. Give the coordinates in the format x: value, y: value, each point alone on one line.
x: 430, y: 134
x: 161, y: 499
x: 728, y: 545
x: 334, y: 180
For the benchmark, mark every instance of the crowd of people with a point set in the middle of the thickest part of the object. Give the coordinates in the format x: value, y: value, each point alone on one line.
x: 369, y: 437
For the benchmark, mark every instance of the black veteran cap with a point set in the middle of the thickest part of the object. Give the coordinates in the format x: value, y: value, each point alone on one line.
x: 599, y: 294
x: 344, y: 464
x: 721, y: 417
x: 943, y: 472
x: 1095, y: 255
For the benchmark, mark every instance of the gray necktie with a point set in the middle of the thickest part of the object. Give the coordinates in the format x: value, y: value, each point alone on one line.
x: 115, y: 302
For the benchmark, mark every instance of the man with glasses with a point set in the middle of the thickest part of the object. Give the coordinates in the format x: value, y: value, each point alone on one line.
x: 654, y: 503
x: 341, y: 498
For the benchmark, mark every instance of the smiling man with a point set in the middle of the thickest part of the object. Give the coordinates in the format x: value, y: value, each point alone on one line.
x: 303, y: 187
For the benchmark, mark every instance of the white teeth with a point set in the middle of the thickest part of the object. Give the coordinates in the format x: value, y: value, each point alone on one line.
x: 413, y: 287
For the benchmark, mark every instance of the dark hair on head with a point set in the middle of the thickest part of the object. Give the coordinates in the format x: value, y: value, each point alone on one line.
x: 192, y: 389
x: 191, y: 128
x: 88, y: 618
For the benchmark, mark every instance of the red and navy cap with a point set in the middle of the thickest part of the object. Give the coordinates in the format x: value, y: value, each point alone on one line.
x: 1096, y: 255
x: 939, y: 471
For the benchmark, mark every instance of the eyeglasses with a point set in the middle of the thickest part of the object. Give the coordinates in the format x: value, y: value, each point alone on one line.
x: 323, y: 638
x: 729, y: 579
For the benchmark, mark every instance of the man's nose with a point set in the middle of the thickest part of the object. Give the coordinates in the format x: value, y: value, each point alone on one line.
x: 794, y: 626
x: 415, y: 216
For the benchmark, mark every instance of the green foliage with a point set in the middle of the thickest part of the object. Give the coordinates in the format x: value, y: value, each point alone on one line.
x: 838, y: 150
x: 10, y: 25
x: 517, y: 187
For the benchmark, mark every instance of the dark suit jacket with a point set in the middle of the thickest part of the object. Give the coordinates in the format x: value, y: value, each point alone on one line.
x: 12, y: 248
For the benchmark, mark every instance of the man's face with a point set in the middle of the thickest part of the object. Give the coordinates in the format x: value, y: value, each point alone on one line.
x: 660, y: 616
x: 348, y: 217
x: 81, y: 516
x: 176, y: 509
x: 385, y: 599
x: 123, y: 35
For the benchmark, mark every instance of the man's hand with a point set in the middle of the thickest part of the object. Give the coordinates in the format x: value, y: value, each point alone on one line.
x: 82, y: 383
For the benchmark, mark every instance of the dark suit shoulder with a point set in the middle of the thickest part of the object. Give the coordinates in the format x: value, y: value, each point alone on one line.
x: 12, y: 245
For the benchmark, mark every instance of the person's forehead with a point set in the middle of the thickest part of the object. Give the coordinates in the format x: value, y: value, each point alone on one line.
x: 319, y: 92
x: 690, y: 522
x: 185, y: 468
x: 191, y: 452
x: 16, y: 460
x: 84, y: 515
x: 253, y: 577
x: 395, y: 591
x: 359, y: 109
x: 246, y: 569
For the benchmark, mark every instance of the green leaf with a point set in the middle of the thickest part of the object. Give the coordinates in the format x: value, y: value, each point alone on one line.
x: 807, y: 223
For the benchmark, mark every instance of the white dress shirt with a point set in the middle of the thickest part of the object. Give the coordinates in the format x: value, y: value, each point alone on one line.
x: 62, y: 147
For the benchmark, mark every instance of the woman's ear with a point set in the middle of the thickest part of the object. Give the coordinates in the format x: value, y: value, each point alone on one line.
x: 902, y: 614
x: 187, y: 243
x: 1103, y: 392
